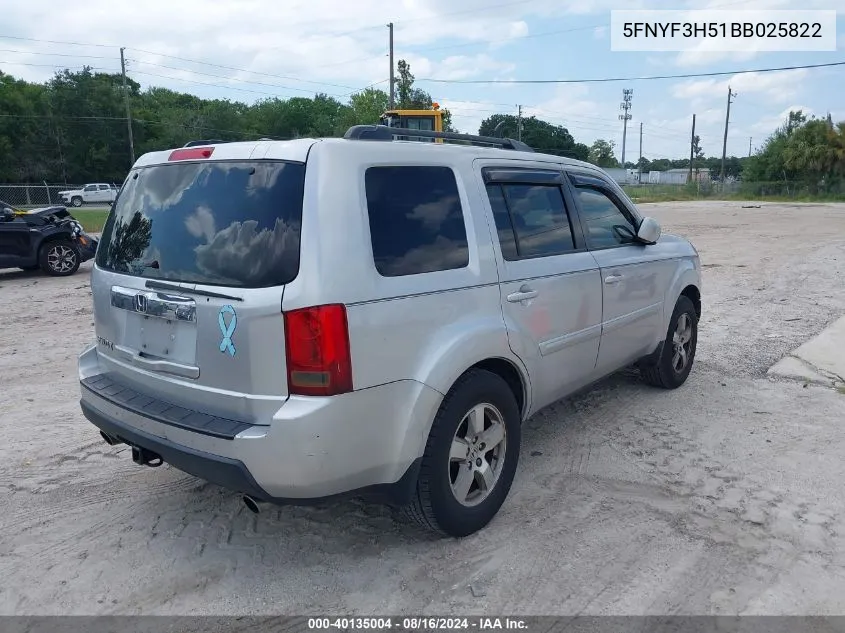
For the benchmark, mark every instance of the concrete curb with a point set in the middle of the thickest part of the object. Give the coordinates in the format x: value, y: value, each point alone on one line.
x: 821, y: 360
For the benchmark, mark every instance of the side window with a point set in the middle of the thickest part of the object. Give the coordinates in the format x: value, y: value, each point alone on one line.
x: 104, y: 187
x: 90, y: 188
x: 416, y: 220
x: 604, y: 222
x: 531, y: 220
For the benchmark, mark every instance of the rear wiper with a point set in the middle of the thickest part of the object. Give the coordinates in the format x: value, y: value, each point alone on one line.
x: 160, y: 285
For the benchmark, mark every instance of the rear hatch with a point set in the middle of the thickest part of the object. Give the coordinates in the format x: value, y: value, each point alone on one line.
x: 189, y: 278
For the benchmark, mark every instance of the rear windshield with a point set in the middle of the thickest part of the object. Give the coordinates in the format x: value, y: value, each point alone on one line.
x: 218, y: 223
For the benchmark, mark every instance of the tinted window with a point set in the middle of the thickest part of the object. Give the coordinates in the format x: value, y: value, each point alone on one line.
x: 104, y: 187
x: 418, y: 123
x: 234, y: 224
x: 90, y: 188
x: 416, y: 220
x: 531, y: 220
x: 602, y: 218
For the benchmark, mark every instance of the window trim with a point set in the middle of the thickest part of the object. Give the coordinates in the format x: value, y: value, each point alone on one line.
x: 522, y: 175
x: 580, y: 180
x: 466, y: 218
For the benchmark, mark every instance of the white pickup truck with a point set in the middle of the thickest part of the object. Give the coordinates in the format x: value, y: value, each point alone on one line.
x: 90, y: 194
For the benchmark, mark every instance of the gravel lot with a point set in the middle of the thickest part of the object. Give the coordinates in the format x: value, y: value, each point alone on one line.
x: 723, y: 497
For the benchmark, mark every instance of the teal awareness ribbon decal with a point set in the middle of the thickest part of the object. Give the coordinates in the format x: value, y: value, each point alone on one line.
x: 227, y: 331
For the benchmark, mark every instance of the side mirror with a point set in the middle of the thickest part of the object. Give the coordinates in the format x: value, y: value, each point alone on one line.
x: 6, y: 214
x: 649, y: 231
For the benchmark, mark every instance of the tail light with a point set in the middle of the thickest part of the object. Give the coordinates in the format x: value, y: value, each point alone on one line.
x: 317, y: 347
x: 191, y: 153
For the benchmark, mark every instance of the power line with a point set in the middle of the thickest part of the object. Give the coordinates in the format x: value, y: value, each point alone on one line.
x: 610, y: 79
x: 205, y: 83
x: 61, y: 66
x: 246, y: 81
x: 242, y: 70
x: 13, y: 50
x: 64, y: 43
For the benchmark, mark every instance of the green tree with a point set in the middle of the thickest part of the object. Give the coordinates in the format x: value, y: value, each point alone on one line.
x: 411, y: 98
x: 817, y: 153
x: 601, y: 154
x: 541, y: 135
x: 698, y: 153
x: 367, y: 106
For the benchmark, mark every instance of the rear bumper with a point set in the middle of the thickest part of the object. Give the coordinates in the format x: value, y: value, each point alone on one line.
x: 229, y: 473
x: 366, y: 443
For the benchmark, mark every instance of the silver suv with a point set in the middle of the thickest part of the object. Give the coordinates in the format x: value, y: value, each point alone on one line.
x: 304, y: 319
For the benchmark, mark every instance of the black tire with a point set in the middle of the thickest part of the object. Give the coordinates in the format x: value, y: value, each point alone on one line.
x: 434, y: 505
x: 59, y: 258
x: 665, y: 373
x: 76, y: 201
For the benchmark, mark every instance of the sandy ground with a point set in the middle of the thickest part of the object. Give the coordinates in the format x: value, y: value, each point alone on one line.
x: 723, y: 497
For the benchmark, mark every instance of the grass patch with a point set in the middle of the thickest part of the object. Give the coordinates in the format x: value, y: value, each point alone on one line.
x: 92, y: 220
x: 742, y: 192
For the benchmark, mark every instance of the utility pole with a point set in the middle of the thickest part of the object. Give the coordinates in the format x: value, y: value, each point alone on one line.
x: 128, y: 111
x: 392, y: 80
x: 627, y: 93
x: 725, y: 141
x: 749, y: 146
x: 640, y: 161
x: 691, y: 148
x: 519, y: 123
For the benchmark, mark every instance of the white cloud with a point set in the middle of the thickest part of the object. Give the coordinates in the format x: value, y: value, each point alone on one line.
x: 201, y: 223
x: 463, y: 67
x: 252, y: 252
x: 768, y: 124
x: 776, y: 86
x: 705, y: 56
x: 600, y: 32
x: 468, y: 115
x: 305, y: 42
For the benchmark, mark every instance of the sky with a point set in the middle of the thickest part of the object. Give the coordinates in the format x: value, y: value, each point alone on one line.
x: 247, y: 50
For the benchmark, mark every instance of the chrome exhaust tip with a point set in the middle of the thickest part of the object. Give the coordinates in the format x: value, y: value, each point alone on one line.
x: 108, y: 439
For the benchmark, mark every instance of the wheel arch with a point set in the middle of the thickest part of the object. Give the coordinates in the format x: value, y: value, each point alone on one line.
x: 515, y: 378
x: 693, y: 293
x: 685, y: 282
x: 46, y: 238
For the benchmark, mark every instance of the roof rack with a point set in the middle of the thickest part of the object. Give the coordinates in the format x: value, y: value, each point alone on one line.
x: 385, y: 133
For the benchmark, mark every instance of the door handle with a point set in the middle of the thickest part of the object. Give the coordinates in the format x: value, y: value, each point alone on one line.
x: 612, y: 279
x: 525, y: 293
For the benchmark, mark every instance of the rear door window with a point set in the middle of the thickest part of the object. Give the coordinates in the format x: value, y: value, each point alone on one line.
x: 231, y: 224
x: 531, y: 220
x: 416, y: 220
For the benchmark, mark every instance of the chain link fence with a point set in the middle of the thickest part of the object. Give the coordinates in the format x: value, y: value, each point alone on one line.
x: 737, y: 190
x: 31, y: 196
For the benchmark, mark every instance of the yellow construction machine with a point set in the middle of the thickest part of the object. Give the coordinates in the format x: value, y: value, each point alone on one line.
x: 429, y: 120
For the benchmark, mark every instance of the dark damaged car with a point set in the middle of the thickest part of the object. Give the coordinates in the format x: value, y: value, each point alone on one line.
x: 50, y: 239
